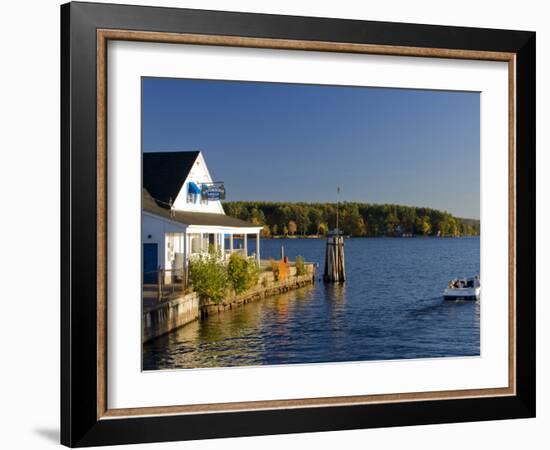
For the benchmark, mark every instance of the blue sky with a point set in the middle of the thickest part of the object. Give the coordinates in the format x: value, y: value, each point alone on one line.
x: 291, y: 142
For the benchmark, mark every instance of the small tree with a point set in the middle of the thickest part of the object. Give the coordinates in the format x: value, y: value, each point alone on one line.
x: 454, y: 227
x: 423, y: 225
x: 292, y: 227
x: 208, y: 277
x: 243, y: 273
x: 302, y: 220
x: 257, y: 216
x: 279, y: 269
x: 300, y: 266
x: 357, y: 225
x: 266, y: 232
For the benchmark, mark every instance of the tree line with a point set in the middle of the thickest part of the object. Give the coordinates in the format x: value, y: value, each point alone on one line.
x: 355, y: 219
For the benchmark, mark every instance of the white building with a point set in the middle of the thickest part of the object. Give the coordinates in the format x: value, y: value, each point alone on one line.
x: 182, y: 215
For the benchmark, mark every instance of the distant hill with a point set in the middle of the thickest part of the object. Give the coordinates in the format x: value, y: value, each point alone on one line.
x: 355, y: 219
x: 472, y: 222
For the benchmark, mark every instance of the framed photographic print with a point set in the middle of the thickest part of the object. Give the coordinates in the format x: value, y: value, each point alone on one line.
x: 276, y: 224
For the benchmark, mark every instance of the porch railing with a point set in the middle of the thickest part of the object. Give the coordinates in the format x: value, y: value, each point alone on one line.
x: 162, y: 284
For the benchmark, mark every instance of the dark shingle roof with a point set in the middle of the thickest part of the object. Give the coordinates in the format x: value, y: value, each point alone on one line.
x: 192, y: 218
x: 165, y: 172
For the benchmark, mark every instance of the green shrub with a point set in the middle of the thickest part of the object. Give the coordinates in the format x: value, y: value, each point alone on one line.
x: 243, y: 273
x: 274, y: 268
x: 208, y: 277
x: 300, y: 266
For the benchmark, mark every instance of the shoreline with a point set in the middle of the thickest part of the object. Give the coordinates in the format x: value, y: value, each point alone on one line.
x: 165, y: 317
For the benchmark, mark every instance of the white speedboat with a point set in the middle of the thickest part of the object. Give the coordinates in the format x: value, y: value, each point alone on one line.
x: 463, y: 289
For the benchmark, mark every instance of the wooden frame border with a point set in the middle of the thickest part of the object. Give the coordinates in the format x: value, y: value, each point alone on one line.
x: 105, y: 35
x: 85, y: 419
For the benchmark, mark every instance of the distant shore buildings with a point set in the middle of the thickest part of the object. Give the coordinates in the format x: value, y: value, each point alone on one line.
x: 182, y: 215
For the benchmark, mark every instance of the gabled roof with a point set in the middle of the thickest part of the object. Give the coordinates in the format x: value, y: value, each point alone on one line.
x: 193, y: 218
x: 165, y: 172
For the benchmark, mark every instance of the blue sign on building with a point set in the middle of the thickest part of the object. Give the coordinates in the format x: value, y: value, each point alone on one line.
x: 214, y: 191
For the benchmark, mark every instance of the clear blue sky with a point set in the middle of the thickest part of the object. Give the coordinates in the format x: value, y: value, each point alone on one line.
x: 290, y: 142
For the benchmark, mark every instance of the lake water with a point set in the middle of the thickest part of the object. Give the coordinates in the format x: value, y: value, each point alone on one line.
x: 390, y: 307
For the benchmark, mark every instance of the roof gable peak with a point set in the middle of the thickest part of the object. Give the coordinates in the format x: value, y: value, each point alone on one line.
x: 164, y: 173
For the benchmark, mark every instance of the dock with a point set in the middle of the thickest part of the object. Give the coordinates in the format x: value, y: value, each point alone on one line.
x: 179, y: 307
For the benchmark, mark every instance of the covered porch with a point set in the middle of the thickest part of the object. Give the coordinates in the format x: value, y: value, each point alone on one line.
x: 198, y: 241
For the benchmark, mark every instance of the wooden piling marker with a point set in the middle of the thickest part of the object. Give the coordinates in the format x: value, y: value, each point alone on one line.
x: 334, y: 258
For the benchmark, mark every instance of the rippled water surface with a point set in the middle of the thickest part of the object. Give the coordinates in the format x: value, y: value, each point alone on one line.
x: 389, y: 308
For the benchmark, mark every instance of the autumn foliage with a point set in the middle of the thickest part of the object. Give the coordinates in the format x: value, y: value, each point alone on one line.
x: 280, y: 270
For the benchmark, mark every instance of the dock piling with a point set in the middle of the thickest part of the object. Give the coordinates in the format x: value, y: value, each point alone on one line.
x: 335, y: 271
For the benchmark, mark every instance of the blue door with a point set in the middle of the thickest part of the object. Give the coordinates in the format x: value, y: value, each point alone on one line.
x: 150, y: 263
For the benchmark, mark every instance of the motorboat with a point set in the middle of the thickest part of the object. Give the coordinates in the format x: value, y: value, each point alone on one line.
x: 463, y: 289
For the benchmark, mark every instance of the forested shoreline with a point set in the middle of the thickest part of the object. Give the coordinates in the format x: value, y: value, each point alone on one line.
x: 281, y: 219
